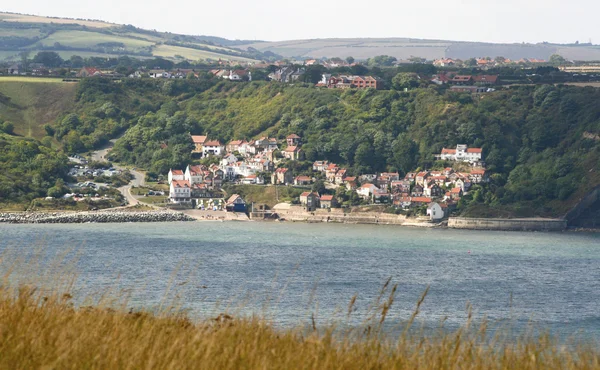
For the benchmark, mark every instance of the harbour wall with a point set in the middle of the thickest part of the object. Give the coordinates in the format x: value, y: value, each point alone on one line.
x: 338, y: 216
x: 520, y: 224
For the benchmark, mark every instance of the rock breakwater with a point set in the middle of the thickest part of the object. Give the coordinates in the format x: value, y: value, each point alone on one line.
x: 86, y: 217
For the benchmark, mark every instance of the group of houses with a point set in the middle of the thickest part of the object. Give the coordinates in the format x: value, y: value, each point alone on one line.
x: 486, y: 62
x: 249, y: 162
x: 350, y: 82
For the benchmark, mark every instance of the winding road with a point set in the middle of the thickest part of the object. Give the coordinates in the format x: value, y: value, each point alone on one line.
x: 138, y: 177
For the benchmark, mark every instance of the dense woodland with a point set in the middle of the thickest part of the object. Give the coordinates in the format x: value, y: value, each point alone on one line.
x: 540, y: 143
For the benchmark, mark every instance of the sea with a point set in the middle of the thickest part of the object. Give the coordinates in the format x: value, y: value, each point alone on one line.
x: 294, y: 274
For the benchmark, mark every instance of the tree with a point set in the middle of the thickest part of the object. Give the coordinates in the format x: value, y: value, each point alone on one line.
x: 359, y: 70
x: 381, y: 61
x: 319, y: 187
x: 58, y: 190
x: 48, y: 58
x: 7, y: 127
x: 314, y: 73
x: 557, y: 60
x: 349, y: 60
x: 403, y: 81
x: 471, y: 62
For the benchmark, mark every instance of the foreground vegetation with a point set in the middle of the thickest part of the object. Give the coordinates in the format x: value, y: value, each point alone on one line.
x: 42, y: 328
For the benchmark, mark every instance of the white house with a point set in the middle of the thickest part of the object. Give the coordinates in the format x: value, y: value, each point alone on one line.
x: 212, y: 147
x: 253, y: 180
x: 159, y: 73
x: 176, y: 175
x: 194, y: 175
x: 366, y: 190
x: 180, y: 191
x: 462, y: 153
x: 435, y: 211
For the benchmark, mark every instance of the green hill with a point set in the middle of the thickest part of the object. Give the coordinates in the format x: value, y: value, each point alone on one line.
x: 541, y: 143
x: 30, y: 103
x: 25, y: 33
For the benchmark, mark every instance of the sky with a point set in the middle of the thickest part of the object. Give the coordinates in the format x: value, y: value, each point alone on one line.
x: 458, y: 20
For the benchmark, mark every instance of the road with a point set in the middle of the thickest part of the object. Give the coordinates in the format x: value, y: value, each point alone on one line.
x: 138, y: 177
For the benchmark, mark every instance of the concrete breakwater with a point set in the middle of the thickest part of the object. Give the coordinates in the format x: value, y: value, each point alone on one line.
x: 516, y: 224
x: 296, y: 214
x: 85, y: 217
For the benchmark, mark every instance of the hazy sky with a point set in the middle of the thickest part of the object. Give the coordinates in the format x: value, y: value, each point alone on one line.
x: 462, y: 20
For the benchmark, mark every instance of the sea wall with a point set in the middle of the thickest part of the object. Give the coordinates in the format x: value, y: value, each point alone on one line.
x: 338, y: 216
x: 85, y: 217
x: 521, y: 224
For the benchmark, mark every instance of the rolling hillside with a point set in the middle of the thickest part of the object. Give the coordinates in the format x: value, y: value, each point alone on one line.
x: 403, y: 48
x: 30, y: 103
x: 26, y: 33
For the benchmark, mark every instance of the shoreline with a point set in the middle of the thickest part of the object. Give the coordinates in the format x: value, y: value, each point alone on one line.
x: 131, y: 215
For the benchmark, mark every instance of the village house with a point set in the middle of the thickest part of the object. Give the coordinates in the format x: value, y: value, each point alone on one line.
x: 293, y: 153
x: 293, y: 140
x: 339, y: 176
x: 417, y: 191
x: 400, y: 187
x: 478, y: 176
x: 330, y: 172
x: 158, y: 73
x: 462, y: 80
x: 350, y: 183
x: 368, y: 177
x: 235, y: 203
x: 266, y: 144
x: 320, y: 166
x: 433, y: 191
x: 328, y: 201
x: 302, y: 180
x: 212, y: 147
x: 88, y: 72
x: 419, y: 201
x: 179, y: 191
x: 420, y: 177
x: 175, y: 175
x: 282, y: 176
x: 456, y: 193
x: 485, y: 80
x: 310, y: 200
x: 194, y: 174
x: 410, y: 177
x: 462, y: 153
x: 444, y: 62
x: 253, y: 180
x: 349, y: 82
x: 198, y: 141
x: 435, y: 211
x: 470, y: 89
x: 234, y: 146
x: 440, y: 79
x: 386, y: 178
x: 366, y: 191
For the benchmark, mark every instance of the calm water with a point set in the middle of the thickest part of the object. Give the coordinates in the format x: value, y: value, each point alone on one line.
x: 299, y: 269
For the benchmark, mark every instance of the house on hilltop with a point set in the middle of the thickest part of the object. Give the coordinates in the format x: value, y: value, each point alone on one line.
x: 462, y: 153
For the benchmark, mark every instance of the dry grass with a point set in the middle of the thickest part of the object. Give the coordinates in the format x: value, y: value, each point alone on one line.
x: 40, y: 328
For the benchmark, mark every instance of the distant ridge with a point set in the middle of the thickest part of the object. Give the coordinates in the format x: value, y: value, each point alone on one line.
x: 18, y: 33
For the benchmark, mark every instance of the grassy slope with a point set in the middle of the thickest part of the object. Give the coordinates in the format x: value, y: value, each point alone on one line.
x: 134, y: 42
x: 80, y: 39
x: 35, y: 102
x: 169, y: 51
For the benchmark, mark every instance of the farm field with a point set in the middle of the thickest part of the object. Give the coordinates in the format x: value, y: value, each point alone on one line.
x: 168, y: 51
x: 83, y: 39
x: 30, y: 102
x: 8, y: 17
